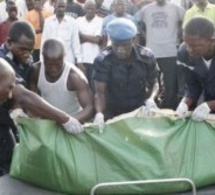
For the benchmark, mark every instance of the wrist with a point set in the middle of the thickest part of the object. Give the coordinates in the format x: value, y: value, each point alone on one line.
x: 63, y: 119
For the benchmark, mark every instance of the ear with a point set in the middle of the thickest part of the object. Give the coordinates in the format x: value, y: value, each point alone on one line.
x: 9, y: 43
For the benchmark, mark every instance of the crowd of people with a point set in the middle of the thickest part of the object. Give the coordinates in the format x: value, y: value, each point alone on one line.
x: 75, y: 63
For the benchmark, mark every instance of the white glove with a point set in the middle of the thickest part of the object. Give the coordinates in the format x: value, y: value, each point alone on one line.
x: 182, y: 110
x: 150, y: 104
x: 99, y: 120
x: 17, y: 113
x: 73, y: 126
x: 201, y: 112
x: 147, y: 108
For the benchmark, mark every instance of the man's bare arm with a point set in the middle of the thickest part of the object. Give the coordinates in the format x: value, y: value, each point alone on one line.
x: 80, y: 86
x: 35, y: 105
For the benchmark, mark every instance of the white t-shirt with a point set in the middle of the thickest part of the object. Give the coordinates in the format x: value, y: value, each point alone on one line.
x: 162, y: 24
x: 47, y: 6
x: 67, y: 32
x: 94, y: 28
x: 3, y: 13
x: 22, y: 9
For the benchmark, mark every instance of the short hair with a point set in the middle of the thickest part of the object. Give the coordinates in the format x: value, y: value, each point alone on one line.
x: 10, y: 3
x: 200, y: 26
x: 89, y: 2
x: 53, y: 45
x: 19, y: 29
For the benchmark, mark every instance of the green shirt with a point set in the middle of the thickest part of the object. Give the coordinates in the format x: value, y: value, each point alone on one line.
x: 195, y: 11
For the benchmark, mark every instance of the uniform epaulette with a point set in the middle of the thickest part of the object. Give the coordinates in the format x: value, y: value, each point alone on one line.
x: 146, y: 52
x: 104, y: 53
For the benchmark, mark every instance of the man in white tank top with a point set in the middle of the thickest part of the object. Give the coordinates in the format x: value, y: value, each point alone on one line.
x: 62, y: 84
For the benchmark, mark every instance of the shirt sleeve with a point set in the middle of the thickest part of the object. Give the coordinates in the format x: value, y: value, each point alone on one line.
x: 139, y: 16
x: 102, y: 69
x: 152, y: 73
x: 193, y: 86
x: 99, y: 28
x: 45, y: 36
x: 76, y: 43
x: 181, y: 13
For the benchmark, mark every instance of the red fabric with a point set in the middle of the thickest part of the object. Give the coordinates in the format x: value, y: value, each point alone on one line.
x: 4, y: 28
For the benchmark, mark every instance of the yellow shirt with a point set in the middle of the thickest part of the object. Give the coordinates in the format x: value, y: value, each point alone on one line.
x: 33, y: 17
x: 195, y: 11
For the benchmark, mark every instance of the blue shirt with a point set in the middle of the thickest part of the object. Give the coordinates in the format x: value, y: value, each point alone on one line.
x: 197, y: 76
x: 126, y: 84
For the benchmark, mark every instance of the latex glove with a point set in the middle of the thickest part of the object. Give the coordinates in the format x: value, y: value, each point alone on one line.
x: 182, y: 110
x: 17, y: 113
x: 73, y: 126
x: 146, y: 110
x: 201, y: 112
x: 99, y: 120
x: 150, y: 104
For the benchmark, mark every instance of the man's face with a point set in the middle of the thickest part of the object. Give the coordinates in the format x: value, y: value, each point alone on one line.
x: 22, y: 48
x: 12, y: 11
x: 197, y: 46
x: 53, y: 65
x: 120, y: 6
x: 122, y: 50
x: 60, y: 7
x: 200, y: 2
x: 30, y: 4
x: 90, y: 10
x: 7, y: 84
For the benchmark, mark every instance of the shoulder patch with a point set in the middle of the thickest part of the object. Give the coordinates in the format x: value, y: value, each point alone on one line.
x: 104, y: 53
x: 146, y: 52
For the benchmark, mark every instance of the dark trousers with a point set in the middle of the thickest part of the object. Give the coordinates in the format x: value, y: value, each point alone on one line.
x: 6, y: 141
x: 89, y: 74
x: 169, y: 69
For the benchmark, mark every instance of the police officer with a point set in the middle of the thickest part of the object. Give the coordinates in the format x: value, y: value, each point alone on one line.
x: 197, y: 55
x: 125, y: 74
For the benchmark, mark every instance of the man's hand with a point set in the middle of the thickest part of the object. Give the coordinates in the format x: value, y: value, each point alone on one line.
x: 73, y: 126
x: 16, y: 114
x: 201, y: 112
x: 99, y: 120
x: 150, y: 104
x: 182, y: 110
x: 146, y: 110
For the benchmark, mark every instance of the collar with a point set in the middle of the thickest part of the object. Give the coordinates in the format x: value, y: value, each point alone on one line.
x: 85, y: 19
x: 10, y: 55
x: 65, y: 18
